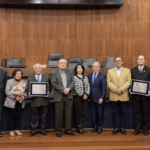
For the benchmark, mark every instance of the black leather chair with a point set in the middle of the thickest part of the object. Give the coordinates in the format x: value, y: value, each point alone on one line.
x: 13, y: 62
x: 103, y: 64
x: 110, y: 62
x: 87, y: 61
x: 54, y: 59
x: 73, y: 61
x: 4, y: 63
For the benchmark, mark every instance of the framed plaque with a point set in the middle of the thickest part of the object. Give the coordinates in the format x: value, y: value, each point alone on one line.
x: 139, y: 87
x: 39, y: 89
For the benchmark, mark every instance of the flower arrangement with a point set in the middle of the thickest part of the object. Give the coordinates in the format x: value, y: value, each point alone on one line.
x: 19, y: 91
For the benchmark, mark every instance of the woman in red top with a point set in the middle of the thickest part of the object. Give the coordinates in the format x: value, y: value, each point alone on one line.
x: 14, y: 102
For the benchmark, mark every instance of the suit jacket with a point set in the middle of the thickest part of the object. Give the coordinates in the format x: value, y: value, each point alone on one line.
x: 123, y: 82
x: 3, y: 80
x: 39, y: 101
x: 99, y: 88
x: 10, y: 102
x: 145, y: 76
x: 57, y: 84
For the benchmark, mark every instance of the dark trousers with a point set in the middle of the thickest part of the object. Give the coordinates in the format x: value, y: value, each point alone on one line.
x: 80, y: 108
x: 97, y: 114
x: 119, y: 114
x: 1, y: 109
x: 15, y: 117
x: 65, y: 105
x: 141, y: 114
x: 38, y: 114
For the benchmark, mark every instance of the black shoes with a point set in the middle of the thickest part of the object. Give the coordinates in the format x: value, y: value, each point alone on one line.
x: 0, y: 134
x: 136, y: 132
x: 43, y: 133
x: 94, y: 130
x: 99, y: 131
x: 116, y: 130
x: 123, y: 131
x: 69, y: 132
x: 84, y: 131
x: 58, y: 134
x: 145, y: 133
x: 32, y: 134
x: 81, y: 131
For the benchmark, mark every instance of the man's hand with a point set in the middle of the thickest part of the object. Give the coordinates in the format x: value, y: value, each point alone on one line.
x: 130, y: 91
x: 148, y: 93
x: 118, y: 91
x: 66, y: 91
x: 30, y: 95
x: 47, y: 94
x: 100, y: 101
x: 85, y: 97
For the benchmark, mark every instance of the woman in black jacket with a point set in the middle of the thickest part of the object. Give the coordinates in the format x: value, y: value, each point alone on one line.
x: 81, y: 93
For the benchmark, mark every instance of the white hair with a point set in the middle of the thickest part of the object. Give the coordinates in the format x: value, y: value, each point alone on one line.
x: 37, y: 64
x: 62, y: 59
x: 96, y: 62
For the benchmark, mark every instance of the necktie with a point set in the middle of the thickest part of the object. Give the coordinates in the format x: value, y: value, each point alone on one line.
x: 94, y: 77
x: 140, y: 70
x: 38, y: 79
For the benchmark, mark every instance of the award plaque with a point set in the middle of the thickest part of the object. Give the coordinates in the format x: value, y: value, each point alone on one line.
x: 139, y: 87
x: 39, y: 89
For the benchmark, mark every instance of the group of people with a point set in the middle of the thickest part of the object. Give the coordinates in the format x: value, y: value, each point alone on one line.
x: 77, y: 90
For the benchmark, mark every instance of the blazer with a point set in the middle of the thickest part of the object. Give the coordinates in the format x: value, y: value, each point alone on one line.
x: 10, y: 101
x: 81, y: 86
x: 3, y: 80
x: 57, y: 84
x: 123, y: 82
x: 39, y: 101
x: 145, y: 76
x: 99, y: 88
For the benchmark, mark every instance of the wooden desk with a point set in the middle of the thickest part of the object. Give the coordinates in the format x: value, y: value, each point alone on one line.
x: 27, y: 72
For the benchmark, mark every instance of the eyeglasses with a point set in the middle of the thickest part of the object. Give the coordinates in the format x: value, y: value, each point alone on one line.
x: 118, y: 60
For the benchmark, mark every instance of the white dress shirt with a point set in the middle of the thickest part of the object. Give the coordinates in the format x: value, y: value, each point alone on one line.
x: 141, y: 67
x: 118, y: 71
x: 93, y: 76
x: 40, y: 77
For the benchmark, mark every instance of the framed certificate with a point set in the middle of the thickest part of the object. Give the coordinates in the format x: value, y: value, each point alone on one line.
x: 139, y: 87
x: 39, y: 89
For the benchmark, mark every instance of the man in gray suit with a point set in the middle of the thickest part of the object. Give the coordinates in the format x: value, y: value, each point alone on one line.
x: 39, y: 105
x: 3, y: 80
x: 63, y: 83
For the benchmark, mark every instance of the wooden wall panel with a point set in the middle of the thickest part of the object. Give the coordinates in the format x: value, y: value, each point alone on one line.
x: 32, y: 32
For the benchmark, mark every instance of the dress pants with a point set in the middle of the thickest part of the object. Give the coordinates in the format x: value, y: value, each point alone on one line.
x: 1, y: 109
x: 119, y: 114
x: 15, y: 117
x: 38, y: 114
x: 97, y: 114
x: 80, y: 108
x: 64, y: 106
x: 141, y: 114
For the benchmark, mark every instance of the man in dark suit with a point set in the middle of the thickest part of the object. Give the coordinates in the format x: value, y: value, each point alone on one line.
x: 39, y: 105
x: 98, y: 89
x: 63, y: 84
x: 3, y: 80
x: 141, y: 103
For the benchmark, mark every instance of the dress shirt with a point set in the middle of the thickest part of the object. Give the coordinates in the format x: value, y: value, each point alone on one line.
x: 118, y: 71
x: 40, y: 77
x: 141, y: 67
x: 64, y: 78
x: 93, y: 76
